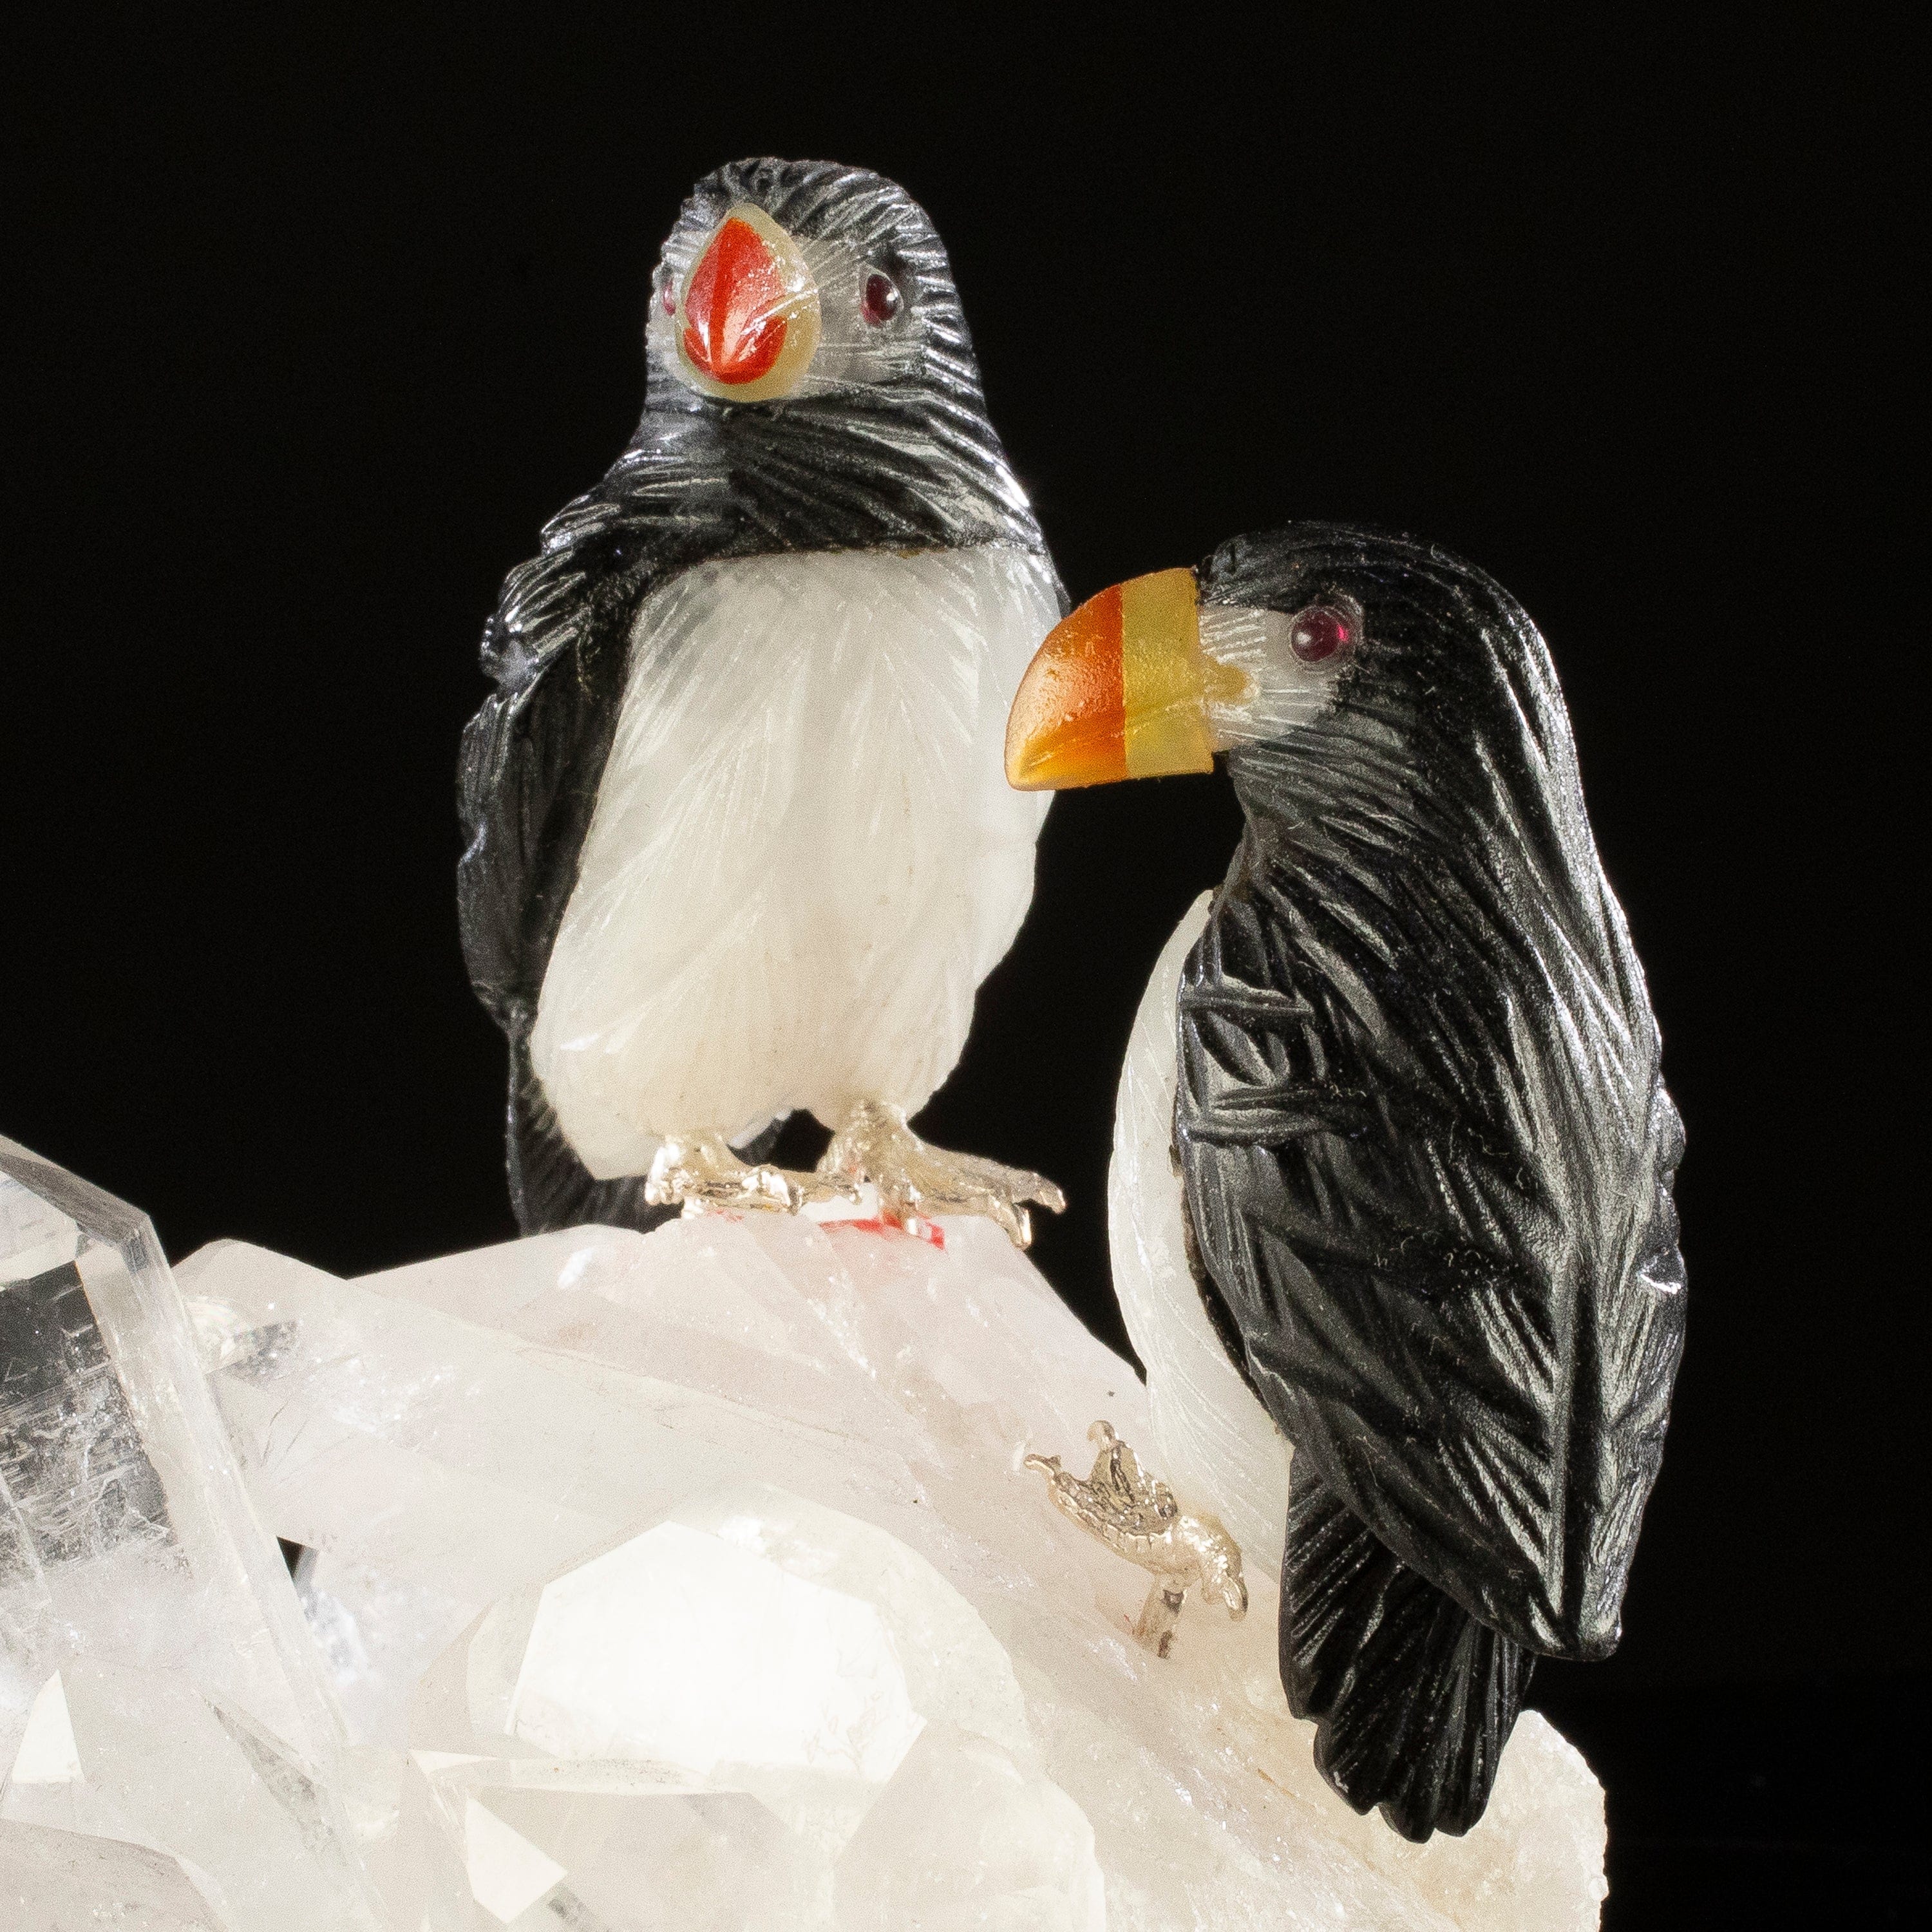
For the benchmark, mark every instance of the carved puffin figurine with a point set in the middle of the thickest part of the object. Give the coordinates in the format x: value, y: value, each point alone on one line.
x: 736, y: 839
x: 1417, y: 1223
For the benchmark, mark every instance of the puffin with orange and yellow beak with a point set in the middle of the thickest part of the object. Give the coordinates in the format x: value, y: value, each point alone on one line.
x: 737, y: 840
x: 1408, y: 1291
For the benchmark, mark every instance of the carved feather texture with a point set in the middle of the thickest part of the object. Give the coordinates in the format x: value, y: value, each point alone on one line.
x: 1427, y: 1149
x: 906, y: 464
x: 1414, y: 1699
x: 805, y: 857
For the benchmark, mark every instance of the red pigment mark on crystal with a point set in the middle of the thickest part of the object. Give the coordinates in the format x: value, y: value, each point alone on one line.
x: 1319, y: 632
x: 733, y: 308
x: 928, y: 1231
x: 882, y: 299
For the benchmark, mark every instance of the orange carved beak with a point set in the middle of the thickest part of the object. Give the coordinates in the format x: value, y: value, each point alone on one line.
x: 1118, y: 690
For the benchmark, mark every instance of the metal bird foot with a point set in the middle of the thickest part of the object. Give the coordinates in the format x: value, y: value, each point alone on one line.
x: 914, y: 1178
x: 699, y: 1173
x: 1136, y: 1515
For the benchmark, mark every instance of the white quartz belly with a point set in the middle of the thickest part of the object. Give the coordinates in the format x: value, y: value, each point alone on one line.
x: 1217, y: 1447
x: 804, y: 857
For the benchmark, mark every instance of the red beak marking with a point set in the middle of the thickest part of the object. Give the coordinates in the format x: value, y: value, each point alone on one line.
x: 734, y: 307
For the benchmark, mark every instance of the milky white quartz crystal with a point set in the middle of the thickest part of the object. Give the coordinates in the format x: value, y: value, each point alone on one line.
x: 55, y: 1881
x: 692, y: 1579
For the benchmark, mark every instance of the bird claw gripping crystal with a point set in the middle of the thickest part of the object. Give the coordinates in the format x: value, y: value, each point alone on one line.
x: 915, y: 1179
x: 700, y: 1174
x: 1136, y: 1515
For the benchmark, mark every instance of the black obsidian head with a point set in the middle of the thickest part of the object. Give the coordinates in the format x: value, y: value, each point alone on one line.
x: 1443, y: 705
x: 787, y: 280
x: 809, y: 368
x: 1442, y: 759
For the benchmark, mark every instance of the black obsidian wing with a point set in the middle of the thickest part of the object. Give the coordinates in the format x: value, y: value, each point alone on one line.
x: 692, y: 488
x: 526, y: 783
x: 1426, y: 1149
x: 1414, y: 1698
x: 907, y: 464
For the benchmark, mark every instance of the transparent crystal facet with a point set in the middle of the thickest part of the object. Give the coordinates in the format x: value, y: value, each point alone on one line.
x: 689, y: 1580
x: 766, y: 1433
x: 157, y: 1673
x: 60, y: 1881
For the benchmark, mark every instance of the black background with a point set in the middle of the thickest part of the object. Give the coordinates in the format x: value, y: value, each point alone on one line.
x: 322, y: 321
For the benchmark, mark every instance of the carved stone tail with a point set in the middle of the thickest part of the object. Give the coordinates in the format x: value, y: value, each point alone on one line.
x: 1413, y: 1698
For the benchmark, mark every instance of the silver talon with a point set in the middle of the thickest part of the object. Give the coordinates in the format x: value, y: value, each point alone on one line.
x: 1136, y: 1515
x: 699, y: 1173
x: 915, y: 1179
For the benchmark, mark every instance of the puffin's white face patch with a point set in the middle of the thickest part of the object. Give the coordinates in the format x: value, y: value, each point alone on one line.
x: 864, y: 326
x: 805, y: 856
x: 1281, y: 687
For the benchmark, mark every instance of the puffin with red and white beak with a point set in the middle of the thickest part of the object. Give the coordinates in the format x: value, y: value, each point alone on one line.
x: 1416, y: 1249
x: 737, y: 840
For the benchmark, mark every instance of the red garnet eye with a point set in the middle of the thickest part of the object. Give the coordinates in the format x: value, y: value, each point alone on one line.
x: 1319, y: 632
x: 667, y: 292
x: 882, y: 300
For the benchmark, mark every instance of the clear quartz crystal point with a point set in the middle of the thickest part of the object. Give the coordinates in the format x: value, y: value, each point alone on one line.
x: 693, y: 1578
x: 732, y: 1695
x: 158, y: 1686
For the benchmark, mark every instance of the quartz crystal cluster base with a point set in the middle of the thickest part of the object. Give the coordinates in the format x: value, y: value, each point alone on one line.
x: 687, y: 1580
